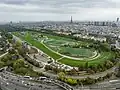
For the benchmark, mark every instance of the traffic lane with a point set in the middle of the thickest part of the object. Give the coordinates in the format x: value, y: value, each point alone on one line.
x: 26, y: 84
x: 108, y: 85
x: 18, y: 78
x: 11, y: 86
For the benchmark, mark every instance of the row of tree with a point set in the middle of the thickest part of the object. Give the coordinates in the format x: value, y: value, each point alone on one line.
x: 13, y: 59
x: 86, y: 68
x: 85, y: 81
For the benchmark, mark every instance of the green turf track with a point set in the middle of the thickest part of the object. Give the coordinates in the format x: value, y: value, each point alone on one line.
x: 100, y: 60
x: 41, y: 47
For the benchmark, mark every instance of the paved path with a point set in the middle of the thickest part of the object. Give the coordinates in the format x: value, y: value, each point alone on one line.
x: 60, y: 58
x: 94, y: 76
x: 11, y: 81
x: 3, y: 54
x: 75, y: 77
x: 42, y: 41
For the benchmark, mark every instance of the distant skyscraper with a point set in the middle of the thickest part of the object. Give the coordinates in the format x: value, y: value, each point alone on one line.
x: 71, y: 20
x: 10, y: 22
x: 117, y: 19
x: 103, y: 23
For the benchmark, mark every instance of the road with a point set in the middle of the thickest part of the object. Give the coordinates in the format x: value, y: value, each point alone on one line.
x: 107, y: 85
x: 9, y: 81
x: 97, y: 75
x: 100, y: 86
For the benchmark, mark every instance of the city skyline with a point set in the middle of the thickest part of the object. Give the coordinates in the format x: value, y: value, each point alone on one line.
x: 56, y: 10
x: 59, y: 45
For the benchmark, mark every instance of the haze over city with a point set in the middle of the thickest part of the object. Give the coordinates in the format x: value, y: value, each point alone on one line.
x: 59, y: 10
x: 59, y: 44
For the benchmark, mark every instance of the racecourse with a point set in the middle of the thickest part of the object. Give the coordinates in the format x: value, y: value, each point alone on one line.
x: 97, y: 59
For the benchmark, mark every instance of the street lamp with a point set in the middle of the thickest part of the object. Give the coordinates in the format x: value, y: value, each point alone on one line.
x: 82, y: 86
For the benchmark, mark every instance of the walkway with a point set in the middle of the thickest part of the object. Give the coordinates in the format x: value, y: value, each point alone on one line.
x: 94, y: 76
x: 3, y: 54
x: 75, y: 77
x: 42, y: 41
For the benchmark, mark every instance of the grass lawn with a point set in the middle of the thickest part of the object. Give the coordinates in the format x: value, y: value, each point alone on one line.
x: 55, y: 42
x: 39, y: 45
x: 100, y: 60
x: 82, y: 52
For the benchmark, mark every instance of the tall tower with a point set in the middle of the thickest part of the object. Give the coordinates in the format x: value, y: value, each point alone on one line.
x: 71, y: 20
x: 117, y: 19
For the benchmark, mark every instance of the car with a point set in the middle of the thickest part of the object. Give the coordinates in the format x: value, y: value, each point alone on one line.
x: 113, y: 81
x: 28, y: 77
x: 2, y: 69
x: 42, y: 78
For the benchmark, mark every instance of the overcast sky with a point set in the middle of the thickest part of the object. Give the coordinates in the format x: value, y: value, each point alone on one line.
x: 59, y: 10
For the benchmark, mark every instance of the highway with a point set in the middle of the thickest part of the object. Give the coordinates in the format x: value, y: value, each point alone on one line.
x: 106, y: 85
x: 9, y: 81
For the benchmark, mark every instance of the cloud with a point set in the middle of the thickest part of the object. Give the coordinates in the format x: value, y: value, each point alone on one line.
x: 46, y: 9
x: 78, y: 3
x: 35, y: 9
x: 16, y: 2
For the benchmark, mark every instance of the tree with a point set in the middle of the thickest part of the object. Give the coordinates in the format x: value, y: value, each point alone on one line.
x: 100, y: 67
x: 1, y: 64
x: 118, y: 70
x: 17, y: 44
x: 100, y: 79
x: 34, y: 56
x: 12, y: 51
x: 73, y: 71
x: 108, y: 75
x: 86, y: 65
x: 21, y: 51
x: 61, y: 76
x: 81, y: 67
x: 55, y: 69
x: 21, y: 70
x: 19, y: 63
x: 90, y: 71
x: 6, y: 58
x: 48, y: 67
x: 71, y: 81
x: 88, y: 81
x: 108, y: 64
x: 94, y: 68
x: 41, y: 35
